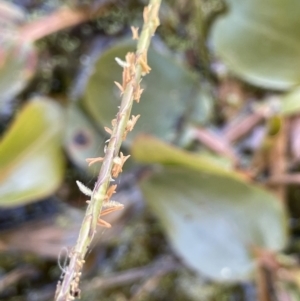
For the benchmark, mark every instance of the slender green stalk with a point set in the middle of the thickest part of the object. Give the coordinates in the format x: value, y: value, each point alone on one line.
x: 134, y: 68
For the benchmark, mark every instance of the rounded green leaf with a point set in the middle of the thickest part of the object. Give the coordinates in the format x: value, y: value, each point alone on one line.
x: 81, y: 139
x: 18, y: 66
x: 259, y: 40
x: 17, y: 57
x: 148, y: 149
x: 212, y: 216
x: 31, y: 161
x: 166, y: 96
x: 290, y: 102
x: 214, y: 221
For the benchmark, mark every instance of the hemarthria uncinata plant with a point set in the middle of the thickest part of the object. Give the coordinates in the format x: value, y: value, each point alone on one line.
x: 99, y: 204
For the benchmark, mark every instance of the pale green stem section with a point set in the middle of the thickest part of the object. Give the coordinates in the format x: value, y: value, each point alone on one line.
x: 69, y: 286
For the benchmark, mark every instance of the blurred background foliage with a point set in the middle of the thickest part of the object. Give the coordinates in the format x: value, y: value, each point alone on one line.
x: 211, y: 191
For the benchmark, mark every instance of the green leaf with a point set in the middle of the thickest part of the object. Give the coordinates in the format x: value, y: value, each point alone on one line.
x: 259, y: 40
x: 201, y: 112
x: 17, y: 57
x: 148, y: 149
x: 166, y: 96
x: 214, y: 221
x: 212, y: 217
x: 290, y: 103
x: 31, y: 161
x: 19, y: 62
x: 81, y: 139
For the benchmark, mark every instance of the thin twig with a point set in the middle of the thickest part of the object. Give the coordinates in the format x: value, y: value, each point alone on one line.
x: 215, y: 143
x: 147, y: 287
x: 262, y: 285
x: 277, y: 159
x: 14, y: 276
x: 243, y: 127
x: 284, y: 179
x: 61, y: 19
x: 133, y: 69
x: 160, y: 266
x: 294, y: 139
